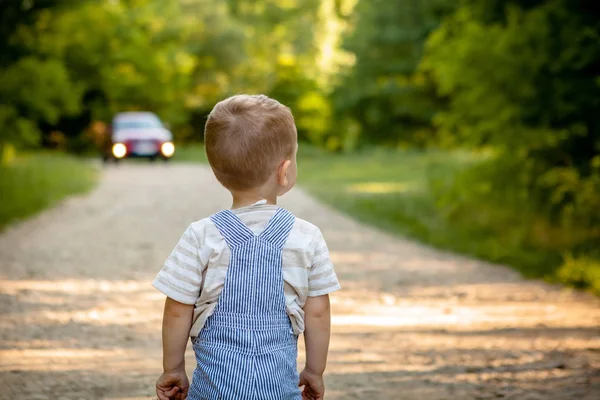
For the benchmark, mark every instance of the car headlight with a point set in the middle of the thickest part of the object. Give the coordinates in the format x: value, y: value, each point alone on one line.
x: 119, y: 150
x: 167, y: 149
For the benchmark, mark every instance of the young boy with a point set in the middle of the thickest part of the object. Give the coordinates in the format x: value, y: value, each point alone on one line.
x: 246, y: 282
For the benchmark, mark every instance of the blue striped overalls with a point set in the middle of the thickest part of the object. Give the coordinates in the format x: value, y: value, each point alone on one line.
x: 247, y: 349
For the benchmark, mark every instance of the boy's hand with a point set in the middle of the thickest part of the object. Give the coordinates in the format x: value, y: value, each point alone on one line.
x: 314, y: 387
x: 172, y: 386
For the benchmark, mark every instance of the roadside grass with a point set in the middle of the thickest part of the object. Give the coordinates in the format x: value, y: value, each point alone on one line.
x: 395, y: 190
x: 398, y: 191
x: 36, y: 181
x: 189, y: 153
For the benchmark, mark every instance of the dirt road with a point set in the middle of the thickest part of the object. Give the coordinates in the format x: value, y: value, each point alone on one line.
x: 81, y: 321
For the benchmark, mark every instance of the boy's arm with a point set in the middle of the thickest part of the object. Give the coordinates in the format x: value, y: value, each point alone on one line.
x: 317, y: 320
x: 177, y: 321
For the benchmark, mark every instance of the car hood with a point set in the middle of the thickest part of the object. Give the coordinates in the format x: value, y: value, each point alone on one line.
x: 123, y: 135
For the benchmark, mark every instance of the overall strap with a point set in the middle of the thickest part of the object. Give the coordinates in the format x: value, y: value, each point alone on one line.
x: 278, y: 228
x: 231, y: 228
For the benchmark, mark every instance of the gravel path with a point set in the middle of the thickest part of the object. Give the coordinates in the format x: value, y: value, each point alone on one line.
x: 81, y: 321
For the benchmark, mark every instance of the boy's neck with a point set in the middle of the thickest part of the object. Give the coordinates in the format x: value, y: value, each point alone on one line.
x: 246, y: 199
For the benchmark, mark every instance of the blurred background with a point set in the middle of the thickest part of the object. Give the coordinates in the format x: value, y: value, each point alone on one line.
x: 470, y: 125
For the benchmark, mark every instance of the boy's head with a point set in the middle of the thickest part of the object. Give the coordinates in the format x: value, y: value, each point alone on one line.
x: 250, y: 140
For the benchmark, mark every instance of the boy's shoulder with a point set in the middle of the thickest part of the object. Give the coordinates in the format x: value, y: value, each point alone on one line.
x: 304, y: 235
x: 305, y: 227
x: 203, y: 226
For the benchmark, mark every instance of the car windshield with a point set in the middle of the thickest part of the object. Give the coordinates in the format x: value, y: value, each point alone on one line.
x: 137, y: 124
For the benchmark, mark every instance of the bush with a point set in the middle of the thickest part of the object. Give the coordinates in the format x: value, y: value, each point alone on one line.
x: 538, y: 111
x: 581, y: 272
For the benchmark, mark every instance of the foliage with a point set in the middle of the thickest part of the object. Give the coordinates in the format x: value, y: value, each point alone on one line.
x: 33, y: 182
x: 42, y: 89
x: 14, y: 14
x: 383, y: 93
x: 581, y: 272
x: 134, y: 55
x: 176, y: 58
x: 537, y: 110
x: 32, y: 89
x: 284, y: 48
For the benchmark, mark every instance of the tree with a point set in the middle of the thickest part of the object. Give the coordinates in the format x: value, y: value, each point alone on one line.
x: 384, y: 93
x: 282, y: 49
x: 523, y: 77
x: 32, y: 89
x: 92, y: 59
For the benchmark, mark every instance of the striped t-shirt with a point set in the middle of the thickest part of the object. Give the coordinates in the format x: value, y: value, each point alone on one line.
x: 195, y: 271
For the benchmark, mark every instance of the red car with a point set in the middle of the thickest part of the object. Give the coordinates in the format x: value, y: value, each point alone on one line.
x: 139, y: 134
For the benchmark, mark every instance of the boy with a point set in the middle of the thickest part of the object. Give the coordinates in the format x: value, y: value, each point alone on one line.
x: 246, y: 282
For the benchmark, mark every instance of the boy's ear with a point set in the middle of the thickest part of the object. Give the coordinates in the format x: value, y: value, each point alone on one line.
x: 282, y: 173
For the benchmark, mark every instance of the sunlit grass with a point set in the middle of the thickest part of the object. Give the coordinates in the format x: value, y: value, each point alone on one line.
x: 386, y: 188
x: 36, y: 181
x: 189, y: 153
x: 398, y: 191
x: 380, y: 187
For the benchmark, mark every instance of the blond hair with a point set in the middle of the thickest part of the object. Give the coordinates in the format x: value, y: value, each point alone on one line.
x: 245, y: 137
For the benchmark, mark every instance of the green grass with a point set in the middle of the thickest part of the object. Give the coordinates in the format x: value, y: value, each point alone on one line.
x: 36, y: 181
x: 189, y: 153
x: 394, y: 190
